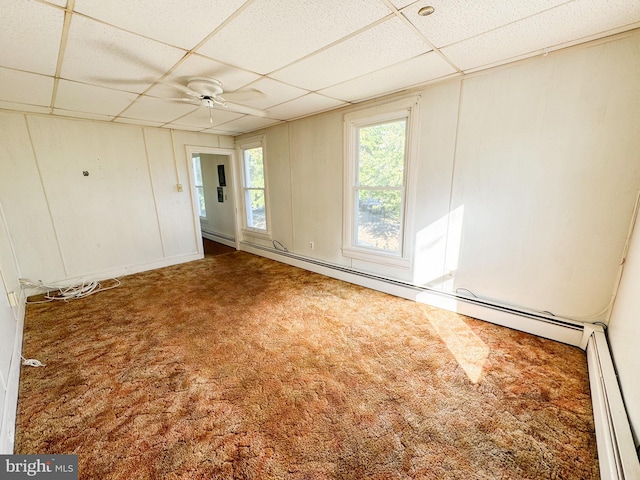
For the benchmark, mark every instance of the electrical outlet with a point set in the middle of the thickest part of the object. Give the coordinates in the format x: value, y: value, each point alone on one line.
x: 312, y: 245
x: 13, y: 300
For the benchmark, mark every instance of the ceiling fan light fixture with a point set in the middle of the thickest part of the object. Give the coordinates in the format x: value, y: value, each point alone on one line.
x: 426, y: 11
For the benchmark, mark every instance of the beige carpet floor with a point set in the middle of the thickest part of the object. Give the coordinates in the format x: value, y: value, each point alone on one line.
x: 238, y: 367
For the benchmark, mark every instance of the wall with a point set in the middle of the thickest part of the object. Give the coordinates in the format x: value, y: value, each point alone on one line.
x: 126, y: 215
x: 220, y: 215
x: 11, y: 321
x: 624, y: 333
x: 525, y: 184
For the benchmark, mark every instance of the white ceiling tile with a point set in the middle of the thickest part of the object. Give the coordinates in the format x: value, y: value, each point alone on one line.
x: 171, y: 21
x: 146, y: 123
x: 232, y: 78
x: 303, y: 106
x: 402, y: 3
x: 23, y: 107
x: 157, y: 110
x: 59, y: 3
x: 415, y: 71
x: 274, y: 93
x: 221, y: 131
x: 30, y: 35
x: 245, y: 124
x: 104, y: 55
x: 270, y: 34
x: 90, y: 98
x: 189, y: 128
x: 456, y: 20
x: 564, y: 24
x: 22, y: 87
x: 85, y: 115
x: 385, y: 44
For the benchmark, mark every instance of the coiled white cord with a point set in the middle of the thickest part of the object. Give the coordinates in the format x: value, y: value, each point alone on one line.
x: 32, y: 362
x: 56, y: 292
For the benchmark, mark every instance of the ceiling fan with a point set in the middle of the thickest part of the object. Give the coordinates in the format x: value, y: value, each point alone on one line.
x: 208, y: 91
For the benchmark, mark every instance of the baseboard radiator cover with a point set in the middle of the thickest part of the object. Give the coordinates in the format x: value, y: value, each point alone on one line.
x: 561, y: 330
x: 220, y: 238
x: 616, y: 450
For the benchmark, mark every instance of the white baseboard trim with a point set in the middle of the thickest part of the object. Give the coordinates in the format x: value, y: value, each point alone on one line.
x: 616, y: 450
x: 217, y: 237
x: 8, y: 425
x: 123, y: 270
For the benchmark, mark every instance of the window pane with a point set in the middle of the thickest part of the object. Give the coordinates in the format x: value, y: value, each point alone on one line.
x: 202, y: 211
x: 256, y: 217
x: 381, y: 154
x: 254, y: 167
x: 378, y: 219
x: 197, y: 171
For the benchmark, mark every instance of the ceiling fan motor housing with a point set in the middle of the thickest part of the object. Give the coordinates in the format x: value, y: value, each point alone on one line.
x: 205, y: 87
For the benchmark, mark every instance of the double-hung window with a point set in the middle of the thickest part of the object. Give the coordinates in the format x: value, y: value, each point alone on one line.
x: 377, y: 162
x: 254, y: 186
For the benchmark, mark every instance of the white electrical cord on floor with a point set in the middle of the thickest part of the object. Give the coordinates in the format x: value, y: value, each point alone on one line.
x: 32, y: 362
x: 56, y: 292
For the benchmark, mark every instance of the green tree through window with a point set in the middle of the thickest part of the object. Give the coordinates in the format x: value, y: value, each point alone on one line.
x: 380, y: 185
x: 255, y: 202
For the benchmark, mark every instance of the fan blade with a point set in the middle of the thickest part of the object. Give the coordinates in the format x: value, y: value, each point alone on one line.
x: 244, y: 95
x: 236, y: 107
x: 177, y: 86
x: 194, y: 101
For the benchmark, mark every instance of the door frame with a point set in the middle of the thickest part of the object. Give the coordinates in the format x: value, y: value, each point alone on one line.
x: 231, y: 184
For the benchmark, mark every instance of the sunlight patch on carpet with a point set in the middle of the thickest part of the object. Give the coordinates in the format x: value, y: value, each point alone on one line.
x: 468, y: 349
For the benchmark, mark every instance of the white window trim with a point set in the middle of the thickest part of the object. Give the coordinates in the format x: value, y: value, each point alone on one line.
x: 203, y: 219
x: 409, y: 108
x: 246, y: 144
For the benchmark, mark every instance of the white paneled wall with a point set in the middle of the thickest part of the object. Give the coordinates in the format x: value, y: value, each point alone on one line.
x: 106, y: 219
x: 25, y: 204
x: 546, y: 168
x: 126, y: 215
x: 526, y: 180
x: 174, y: 214
x: 316, y: 186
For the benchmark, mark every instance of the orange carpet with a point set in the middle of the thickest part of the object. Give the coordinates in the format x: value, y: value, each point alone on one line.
x: 238, y: 367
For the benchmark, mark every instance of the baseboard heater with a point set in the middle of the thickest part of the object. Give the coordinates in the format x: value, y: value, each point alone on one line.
x: 220, y: 238
x: 616, y: 450
x: 547, y: 326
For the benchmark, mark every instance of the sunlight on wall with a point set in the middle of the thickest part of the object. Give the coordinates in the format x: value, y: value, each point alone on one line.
x: 468, y: 349
x: 437, y: 251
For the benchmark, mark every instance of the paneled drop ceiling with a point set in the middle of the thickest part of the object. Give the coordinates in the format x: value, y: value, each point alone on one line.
x: 130, y: 60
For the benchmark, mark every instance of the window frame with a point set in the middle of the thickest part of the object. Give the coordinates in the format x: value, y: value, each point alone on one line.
x: 242, y: 146
x: 407, y: 109
x: 199, y: 187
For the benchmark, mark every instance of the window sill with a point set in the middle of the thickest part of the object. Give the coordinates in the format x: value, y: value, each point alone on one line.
x: 387, y: 259
x: 262, y: 234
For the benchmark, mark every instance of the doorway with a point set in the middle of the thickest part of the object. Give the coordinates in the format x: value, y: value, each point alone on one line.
x: 212, y: 174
